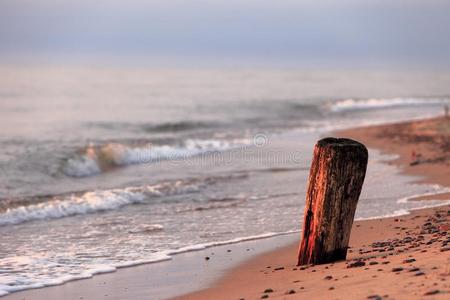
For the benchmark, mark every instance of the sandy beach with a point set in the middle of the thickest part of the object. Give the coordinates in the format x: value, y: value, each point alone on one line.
x: 393, y: 258
x: 402, y: 257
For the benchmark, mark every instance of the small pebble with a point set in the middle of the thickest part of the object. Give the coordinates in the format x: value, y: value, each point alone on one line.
x: 268, y: 291
x: 290, y: 292
x: 356, y: 264
x: 432, y: 292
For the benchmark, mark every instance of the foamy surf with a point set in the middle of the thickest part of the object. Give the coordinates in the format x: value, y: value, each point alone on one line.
x: 435, y: 190
x: 6, y: 289
x: 366, y: 104
x: 96, y: 159
x: 92, y: 202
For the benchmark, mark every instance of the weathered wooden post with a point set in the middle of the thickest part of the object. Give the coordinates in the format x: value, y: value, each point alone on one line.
x: 335, y: 182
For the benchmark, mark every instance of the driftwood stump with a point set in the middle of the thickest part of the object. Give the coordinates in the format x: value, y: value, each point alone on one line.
x: 335, y: 182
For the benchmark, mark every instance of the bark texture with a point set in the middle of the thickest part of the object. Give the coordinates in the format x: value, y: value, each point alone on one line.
x: 335, y: 181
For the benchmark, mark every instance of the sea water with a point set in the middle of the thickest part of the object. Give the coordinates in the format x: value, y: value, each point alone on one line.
x: 103, y: 168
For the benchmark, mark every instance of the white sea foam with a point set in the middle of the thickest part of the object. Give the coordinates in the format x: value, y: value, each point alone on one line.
x: 5, y: 289
x: 81, y: 166
x: 363, y: 104
x: 146, y: 228
x: 436, y: 190
x: 94, y: 270
x: 96, y: 159
x: 91, y: 202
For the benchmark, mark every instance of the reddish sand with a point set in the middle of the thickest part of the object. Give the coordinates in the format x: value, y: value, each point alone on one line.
x: 395, y: 258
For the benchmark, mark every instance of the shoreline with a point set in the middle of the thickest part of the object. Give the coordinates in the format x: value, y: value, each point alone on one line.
x: 95, y: 291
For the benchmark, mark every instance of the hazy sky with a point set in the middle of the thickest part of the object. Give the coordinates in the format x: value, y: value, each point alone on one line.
x: 284, y: 32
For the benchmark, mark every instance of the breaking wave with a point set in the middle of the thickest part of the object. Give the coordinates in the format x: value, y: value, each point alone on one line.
x: 97, y: 159
x: 93, y: 202
x: 366, y: 104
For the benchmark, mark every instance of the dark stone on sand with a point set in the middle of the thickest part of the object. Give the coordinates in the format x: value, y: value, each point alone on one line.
x: 207, y: 258
x: 331, y: 288
x: 419, y: 273
x: 373, y: 263
x: 415, y: 269
x: 279, y: 269
x: 356, y: 264
x: 409, y: 260
x: 329, y: 277
x: 268, y: 290
x: 443, y: 249
x: 228, y: 250
x: 374, y: 297
x: 432, y: 292
x: 386, y: 262
x: 290, y: 292
x: 398, y: 269
x: 264, y: 296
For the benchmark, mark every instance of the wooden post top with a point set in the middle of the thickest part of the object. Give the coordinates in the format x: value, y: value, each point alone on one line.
x: 339, y: 142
